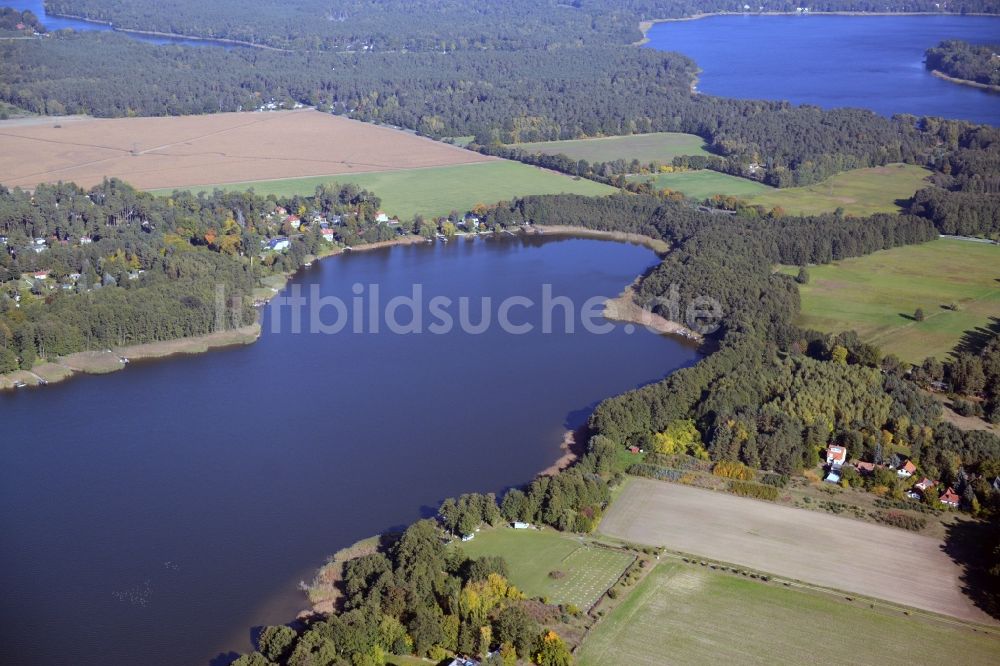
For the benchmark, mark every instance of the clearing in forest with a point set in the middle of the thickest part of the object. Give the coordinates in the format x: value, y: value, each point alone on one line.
x: 877, y: 295
x: 659, y: 147
x: 582, y: 571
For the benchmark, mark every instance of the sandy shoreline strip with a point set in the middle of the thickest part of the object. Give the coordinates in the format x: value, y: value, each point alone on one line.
x: 965, y: 82
x: 658, y: 246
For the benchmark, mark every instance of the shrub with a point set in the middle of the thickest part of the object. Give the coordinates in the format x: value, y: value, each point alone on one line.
x: 900, y: 519
x: 556, y: 575
x: 733, y: 470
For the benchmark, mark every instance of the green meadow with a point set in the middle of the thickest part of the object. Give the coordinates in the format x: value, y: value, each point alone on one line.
x: 438, y: 190
x: 703, y: 184
x: 587, y: 571
x: 876, y: 296
x: 859, y: 192
x: 659, y: 146
x: 686, y: 614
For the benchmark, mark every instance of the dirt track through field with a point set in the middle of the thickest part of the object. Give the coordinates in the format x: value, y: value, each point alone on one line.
x: 212, y: 149
x: 818, y: 548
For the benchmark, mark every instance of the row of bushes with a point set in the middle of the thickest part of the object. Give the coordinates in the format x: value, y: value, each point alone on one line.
x: 900, y: 519
x: 755, y: 490
x: 656, y: 472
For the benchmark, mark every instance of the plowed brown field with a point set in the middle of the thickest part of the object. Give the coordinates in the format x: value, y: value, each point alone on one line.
x: 218, y: 148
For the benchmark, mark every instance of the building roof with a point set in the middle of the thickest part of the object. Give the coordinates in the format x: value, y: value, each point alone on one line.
x: 862, y: 466
x: 949, y: 496
x: 908, y: 466
x: 924, y: 484
x: 837, y: 454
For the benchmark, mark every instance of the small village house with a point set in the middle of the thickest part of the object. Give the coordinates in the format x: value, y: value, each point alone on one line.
x: 924, y: 484
x: 906, y: 470
x: 950, y: 498
x: 381, y: 216
x: 518, y: 525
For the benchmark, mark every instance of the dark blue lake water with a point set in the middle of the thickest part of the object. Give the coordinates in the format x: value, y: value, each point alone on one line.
x: 874, y: 62
x: 154, y: 515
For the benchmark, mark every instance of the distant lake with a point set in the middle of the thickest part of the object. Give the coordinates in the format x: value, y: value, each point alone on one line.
x: 154, y: 515
x: 874, y: 62
x: 53, y: 23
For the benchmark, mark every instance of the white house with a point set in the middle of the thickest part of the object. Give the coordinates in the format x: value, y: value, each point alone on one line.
x: 381, y: 216
x: 86, y: 240
x: 906, y: 470
x: 39, y: 246
x: 836, y: 456
x: 518, y: 525
x: 278, y: 244
x: 327, y: 235
x: 469, y: 537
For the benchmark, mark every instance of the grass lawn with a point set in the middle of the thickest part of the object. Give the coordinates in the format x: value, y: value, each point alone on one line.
x: 703, y: 184
x: 683, y: 613
x: 532, y: 554
x: 877, y: 294
x: 437, y: 190
x: 660, y: 147
x: 858, y: 192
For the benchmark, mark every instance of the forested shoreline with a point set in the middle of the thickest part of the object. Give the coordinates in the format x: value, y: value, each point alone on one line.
x: 975, y: 63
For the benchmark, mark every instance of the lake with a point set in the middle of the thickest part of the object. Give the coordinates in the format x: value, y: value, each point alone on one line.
x: 874, y: 62
x: 156, y: 514
x: 53, y: 23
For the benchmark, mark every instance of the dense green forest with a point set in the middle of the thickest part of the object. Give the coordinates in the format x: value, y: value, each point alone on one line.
x: 969, y: 62
x: 439, y: 25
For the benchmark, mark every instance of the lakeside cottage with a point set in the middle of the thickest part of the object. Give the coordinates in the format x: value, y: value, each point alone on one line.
x: 278, y: 244
x: 381, y: 216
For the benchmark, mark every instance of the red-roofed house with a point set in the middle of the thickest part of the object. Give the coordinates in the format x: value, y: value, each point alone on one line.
x: 950, y: 498
x: 836, y: 456
x: 327, y: 235
x: 864, y: 468
x: 906, y: 470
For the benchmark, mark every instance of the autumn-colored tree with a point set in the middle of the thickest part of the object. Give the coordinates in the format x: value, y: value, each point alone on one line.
x: 552, y: 651
x: 679, y: 438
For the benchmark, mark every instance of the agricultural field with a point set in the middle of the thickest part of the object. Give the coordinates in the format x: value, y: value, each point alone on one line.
x: 175, y: 152
x: 437, y: 191
x: 859, y: 192
x: 703, y: 184
x: 685, y: 613
x: 531, y: 555
x: 877, y: 295
x: 660, y: 147
x: 818, y: 548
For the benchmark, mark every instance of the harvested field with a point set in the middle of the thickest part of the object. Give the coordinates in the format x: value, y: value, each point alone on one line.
x: 185, y: 151
x: 687, y: 614
x: 821, y: 549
